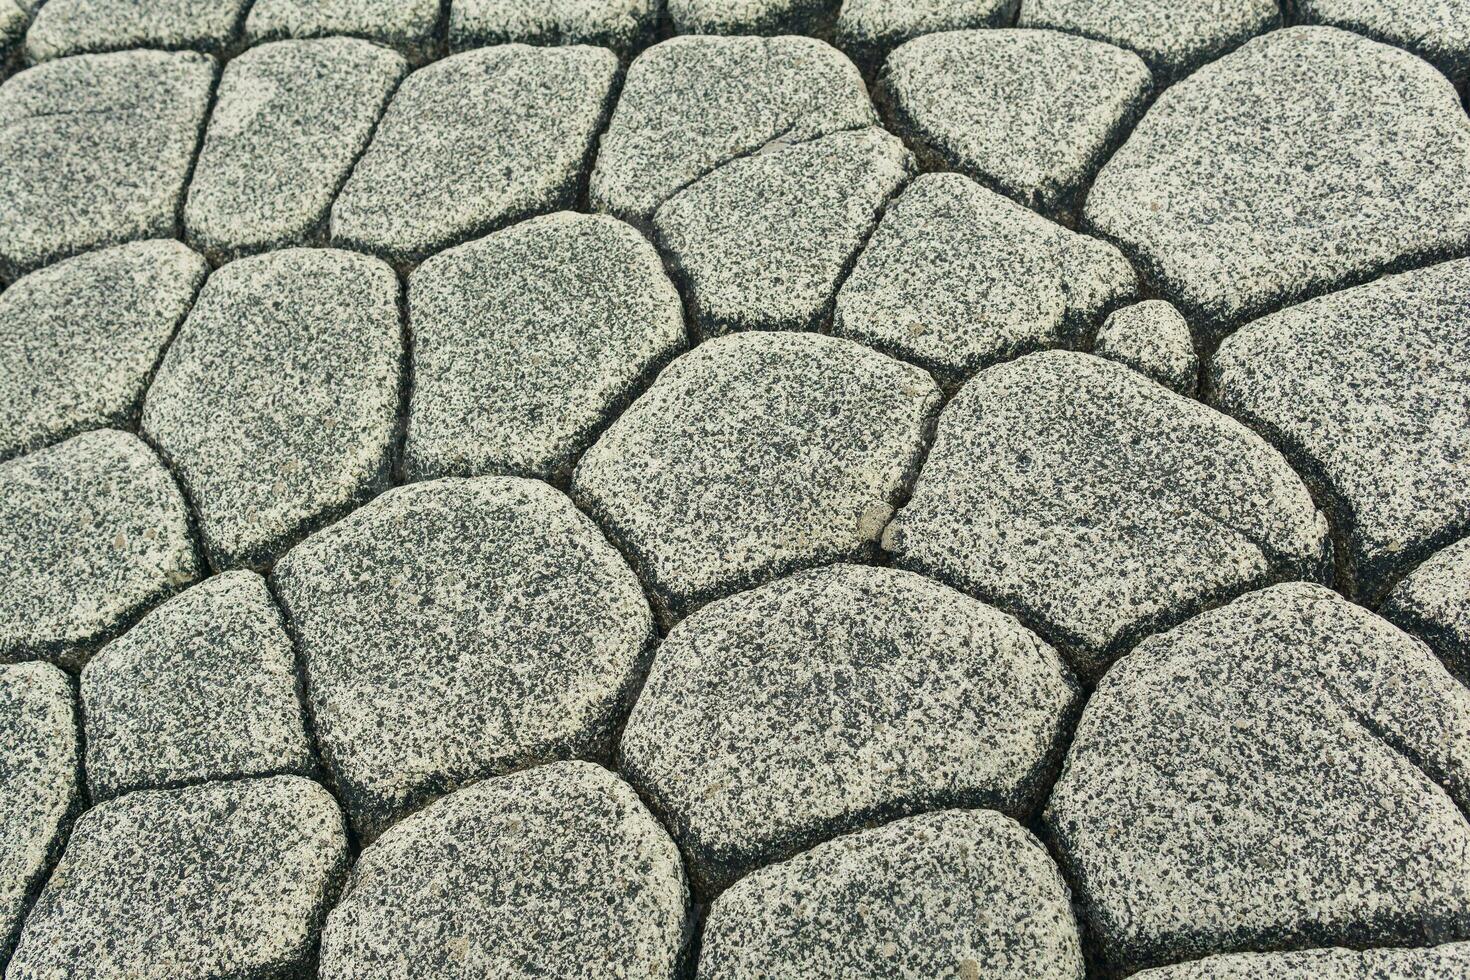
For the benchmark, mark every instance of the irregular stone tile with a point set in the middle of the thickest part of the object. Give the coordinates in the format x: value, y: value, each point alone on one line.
x: 529, y: 342
x: 836, y: 699
x: 1436, y: 30
x: 763, y: 242
x: 869, y: 29
x: 95, y: 150
x: 290, y: 120
x: 277, y: 403
x: 460, y: 629
x: 764, y: 17
x: 408, y: 26
x: 957, y: 278
x: 961, y: 893
x: 755, y: 455
x: 625, y: 26
x: 558, y: 871
x: 474, y: 142
x: 691, y: 104
x: 94, y: 532
x: 1100, y: 507
x: 80, y: 339
x: 68, y: 27
x: 1029, y: 113
x: 222, y: 880
x: 1433, y: 603
x: 1153, y: 339
x: 1439, y: 963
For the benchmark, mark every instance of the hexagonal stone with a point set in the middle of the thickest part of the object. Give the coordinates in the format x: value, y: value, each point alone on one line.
x: 1282, y: 171
x: 277, y: 403
x: 957, y: 278
x: 67, y: 27
x: 1100, y: 507
x: 763, y: 242
x: 765, y: 17
x: 1032, y: 114
x: 1438, y: 963
x: 94, y: 532
x: 289, y: 121
x: 475, y: 142
x: 755, y: 455
x: 225, y: 879
x: 80, y: 339
x: 408, y: 26
x: 869, y: 29
x: 527, y: 343
x: 1433, y: 603
x: 95, y: 150
x: 1154, y: 340
x: 691, y: 104
x: 960, y: 893
x: 836, y: 699
x: 1436, y: 30
x: 625, y: 26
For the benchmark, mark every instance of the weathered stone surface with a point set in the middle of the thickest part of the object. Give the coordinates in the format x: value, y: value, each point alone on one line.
x: 557, y: 871
x: 625, y: 26
x: 1100, y: 507
x: 763, y: 242
x: 67, y: 27
x: 1438, y: 963
x: 475, y: 142
x: 1433, y: 603
x: 406, y: 25
x: 1287, y: 771
x: 960, y: 893
x: 755, y: 455
x: 1029, y: 113
x: 765, y: 17
x: 94, y: 532
x: 835, y: 699
x: 222, y: 880
x: 290, y: 119
x: 80, y: 339
x: 277, y: 402
x: 1436, y: 30
x: 869, y: 29
x: 1154, y: 340
x: 460, y: 629
x: 1306, y: 161
x: 204, y: 687
x: 957, y: 278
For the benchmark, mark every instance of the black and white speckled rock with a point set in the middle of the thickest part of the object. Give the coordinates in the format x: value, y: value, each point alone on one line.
x: 957, y: 277
x: 277, y: 403
x: 1153, y: 339
x: 763, y: 242
x: 95, y: 151
x: 459, y: 629
x: 762, y: 17
x: 691, y: 104
x: 869, y: 29
x: 222, y: 880
x: 1306, y: 161
x: 1367, y: 391
x: 80, y: 339
x: 13, y: 24
x: 474, y: 142
x: 290, y: 120
x: 1436, y: 30
x: 408, y: 26
x: 755, y: 455
x: 67, y: 27
x: 528, y: 342
x: 1445, y: 962
x: 94, y: 532
x: 625, y: 26
x: 1099, y: 506
x: 204, y: 687
x: 558, y: 871
x: 1030, y: 113
x: 960, y: 893
x: 1287, y: 771
x: 835, y: 699
x: 1433, y: 603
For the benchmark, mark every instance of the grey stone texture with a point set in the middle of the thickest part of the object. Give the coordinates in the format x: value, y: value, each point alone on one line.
x: 459, y: 629
x: 558, y: 871
x: 69, y: 27
x: 94, y: 532
x: 835, y: 699
x: 277, y: 403
x: 1448, y: 962
x: 1284, y: 772
x: 290, y: 119
x: 408, y: 26
x: 955, y: 894
x: 203, y: 688
x: 1153, y: 339
x: 475, y: 142
x: 868, y: 30
x: 755, y: 455
x: 527, y: 343
x: 625, y: 26
x: 1436, y: 30
x: 222, y: 880
x: 79, y: 340
x: 1433, y: 603
x: 1099, y: 507
x: 764, y: 17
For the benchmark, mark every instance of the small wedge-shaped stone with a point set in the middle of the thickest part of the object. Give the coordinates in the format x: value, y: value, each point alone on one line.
x: 1154, y: 340
x: 869, y: 29
x: 763, y: 17
x: 475, y: 142
x: 1433, y: 603
x: 960, y: 893
x: 277, y: 403
x: 226, y: 879
x: 835, y: 699
x: 1436, y: 30
x: 1287, y: 771
x: 755, y: 455
x: 559, y: 871
x: 289, y: 121
x: 408, y: 26
x: 625, y: 26
x: 1099, y: 506
x: 66, y: 27
x: 1448, y: 962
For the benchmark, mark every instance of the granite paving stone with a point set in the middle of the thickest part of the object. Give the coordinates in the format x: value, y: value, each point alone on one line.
x: 868, y: 30
x: 1153, y: 339
x: 625, y: 26
x: 1433, y: 603
x: 1437, y: 963
x: 408, y: 26
x: 68, y: 27
x: 764, y: 17
x: 1436, y: 30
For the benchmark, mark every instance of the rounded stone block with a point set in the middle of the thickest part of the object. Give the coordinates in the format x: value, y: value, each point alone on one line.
x: 69, y: 27
x: 1153, y: 339
x: 1438, y: 963
x: 869, y: 29
x: 1433, y: 603
x: 625, y: 26
x: 1436, y: 30
x: 408, y: 26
